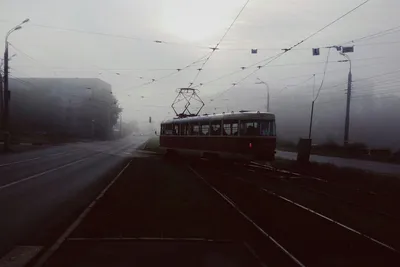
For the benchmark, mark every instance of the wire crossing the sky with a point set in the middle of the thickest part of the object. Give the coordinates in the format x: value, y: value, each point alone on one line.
x: 286, y: 50
x: 170, y: 74
x: 216, y: 47
x: 323, y: 77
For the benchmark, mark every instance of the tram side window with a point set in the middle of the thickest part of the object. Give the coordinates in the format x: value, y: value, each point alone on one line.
x: 195, y: 129
x: 249, y: 128
x: 205, y: 129
x: 176, y: 129
x: 185, y: 129
x: 235, y: 127
x: 215, y: 128
x: 227, y: 130
x: 230, y: 128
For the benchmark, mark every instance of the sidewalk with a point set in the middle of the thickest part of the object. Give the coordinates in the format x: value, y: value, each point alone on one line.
x: 373, y: 166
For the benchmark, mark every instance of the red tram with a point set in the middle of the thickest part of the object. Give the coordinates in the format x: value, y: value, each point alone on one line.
x: 242, y: 135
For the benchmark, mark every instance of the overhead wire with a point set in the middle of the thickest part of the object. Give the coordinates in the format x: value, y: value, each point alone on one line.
x: 329, y: 24
x: 168, y: 75
x: 375, y: 35
x: 234, y: 72
x: 378, y: 75
x: 219, y: 42
x: 135, y: 38
x: 323, y: 77
x: 157, y: 41
x: 22, y: 81
x: 298, y: 84
x: 247, y: 76
x: 286, y: 50
x: 292, y: 77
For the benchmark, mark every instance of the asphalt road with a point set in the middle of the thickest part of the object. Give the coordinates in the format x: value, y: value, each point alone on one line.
x: 41, y: 191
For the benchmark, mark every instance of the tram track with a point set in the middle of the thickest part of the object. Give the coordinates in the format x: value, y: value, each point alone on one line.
x: 251, y: 221
x: 372, y: 214
x: 354, y: 197
x: 325, y: 237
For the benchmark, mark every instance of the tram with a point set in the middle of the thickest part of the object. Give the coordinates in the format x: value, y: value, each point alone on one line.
x: 241, y: 135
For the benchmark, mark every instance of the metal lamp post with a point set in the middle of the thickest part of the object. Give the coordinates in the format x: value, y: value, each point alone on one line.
x: 343, y: 50
x: 349, y: 85
x: 6, y: 94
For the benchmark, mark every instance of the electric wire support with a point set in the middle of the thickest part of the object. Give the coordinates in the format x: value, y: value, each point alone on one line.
x: 188, y: 95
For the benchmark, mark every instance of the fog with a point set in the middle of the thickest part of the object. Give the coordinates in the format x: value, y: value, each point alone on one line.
x: 115, y: 42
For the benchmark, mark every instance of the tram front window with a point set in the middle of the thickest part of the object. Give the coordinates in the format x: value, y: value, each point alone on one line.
x: 257, y: 128
x: 267, y: 128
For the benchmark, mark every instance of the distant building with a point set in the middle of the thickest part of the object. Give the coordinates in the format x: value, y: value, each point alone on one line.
x: 75, y: 106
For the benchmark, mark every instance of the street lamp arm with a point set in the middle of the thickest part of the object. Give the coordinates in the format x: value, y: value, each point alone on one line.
x: 347, y: 57
x: 19, y: 26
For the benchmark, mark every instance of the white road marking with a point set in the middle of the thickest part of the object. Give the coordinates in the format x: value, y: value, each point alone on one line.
x: 16, y: 162
x: 40, y: 174
x: 51, y: 250
x: 20, y: 256
x: 230, y: 202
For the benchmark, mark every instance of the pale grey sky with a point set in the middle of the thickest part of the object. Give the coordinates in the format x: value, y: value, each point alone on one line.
x: 188, y: 27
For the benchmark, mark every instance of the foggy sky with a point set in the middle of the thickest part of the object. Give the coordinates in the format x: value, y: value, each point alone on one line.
x: 46, y: 49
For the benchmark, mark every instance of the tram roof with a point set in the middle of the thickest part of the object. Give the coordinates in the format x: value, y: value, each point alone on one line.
x: 248, y: 115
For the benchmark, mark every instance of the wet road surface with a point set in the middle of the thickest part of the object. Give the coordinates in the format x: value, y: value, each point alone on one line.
x: 41, y: 190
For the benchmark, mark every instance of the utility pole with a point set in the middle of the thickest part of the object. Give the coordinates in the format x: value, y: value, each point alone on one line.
x: 349, y: 86
x: 311, y: 119
x: 312, y: 110
x: 1, y: 100
x: 347, y: 121
x: 343, y: 50
x: 6, y: 99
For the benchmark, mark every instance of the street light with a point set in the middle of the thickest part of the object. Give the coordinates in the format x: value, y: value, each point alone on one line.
x: 342, y: 51
x: 6, y: 94
x: 266, y: 84
x: 349, y: 81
